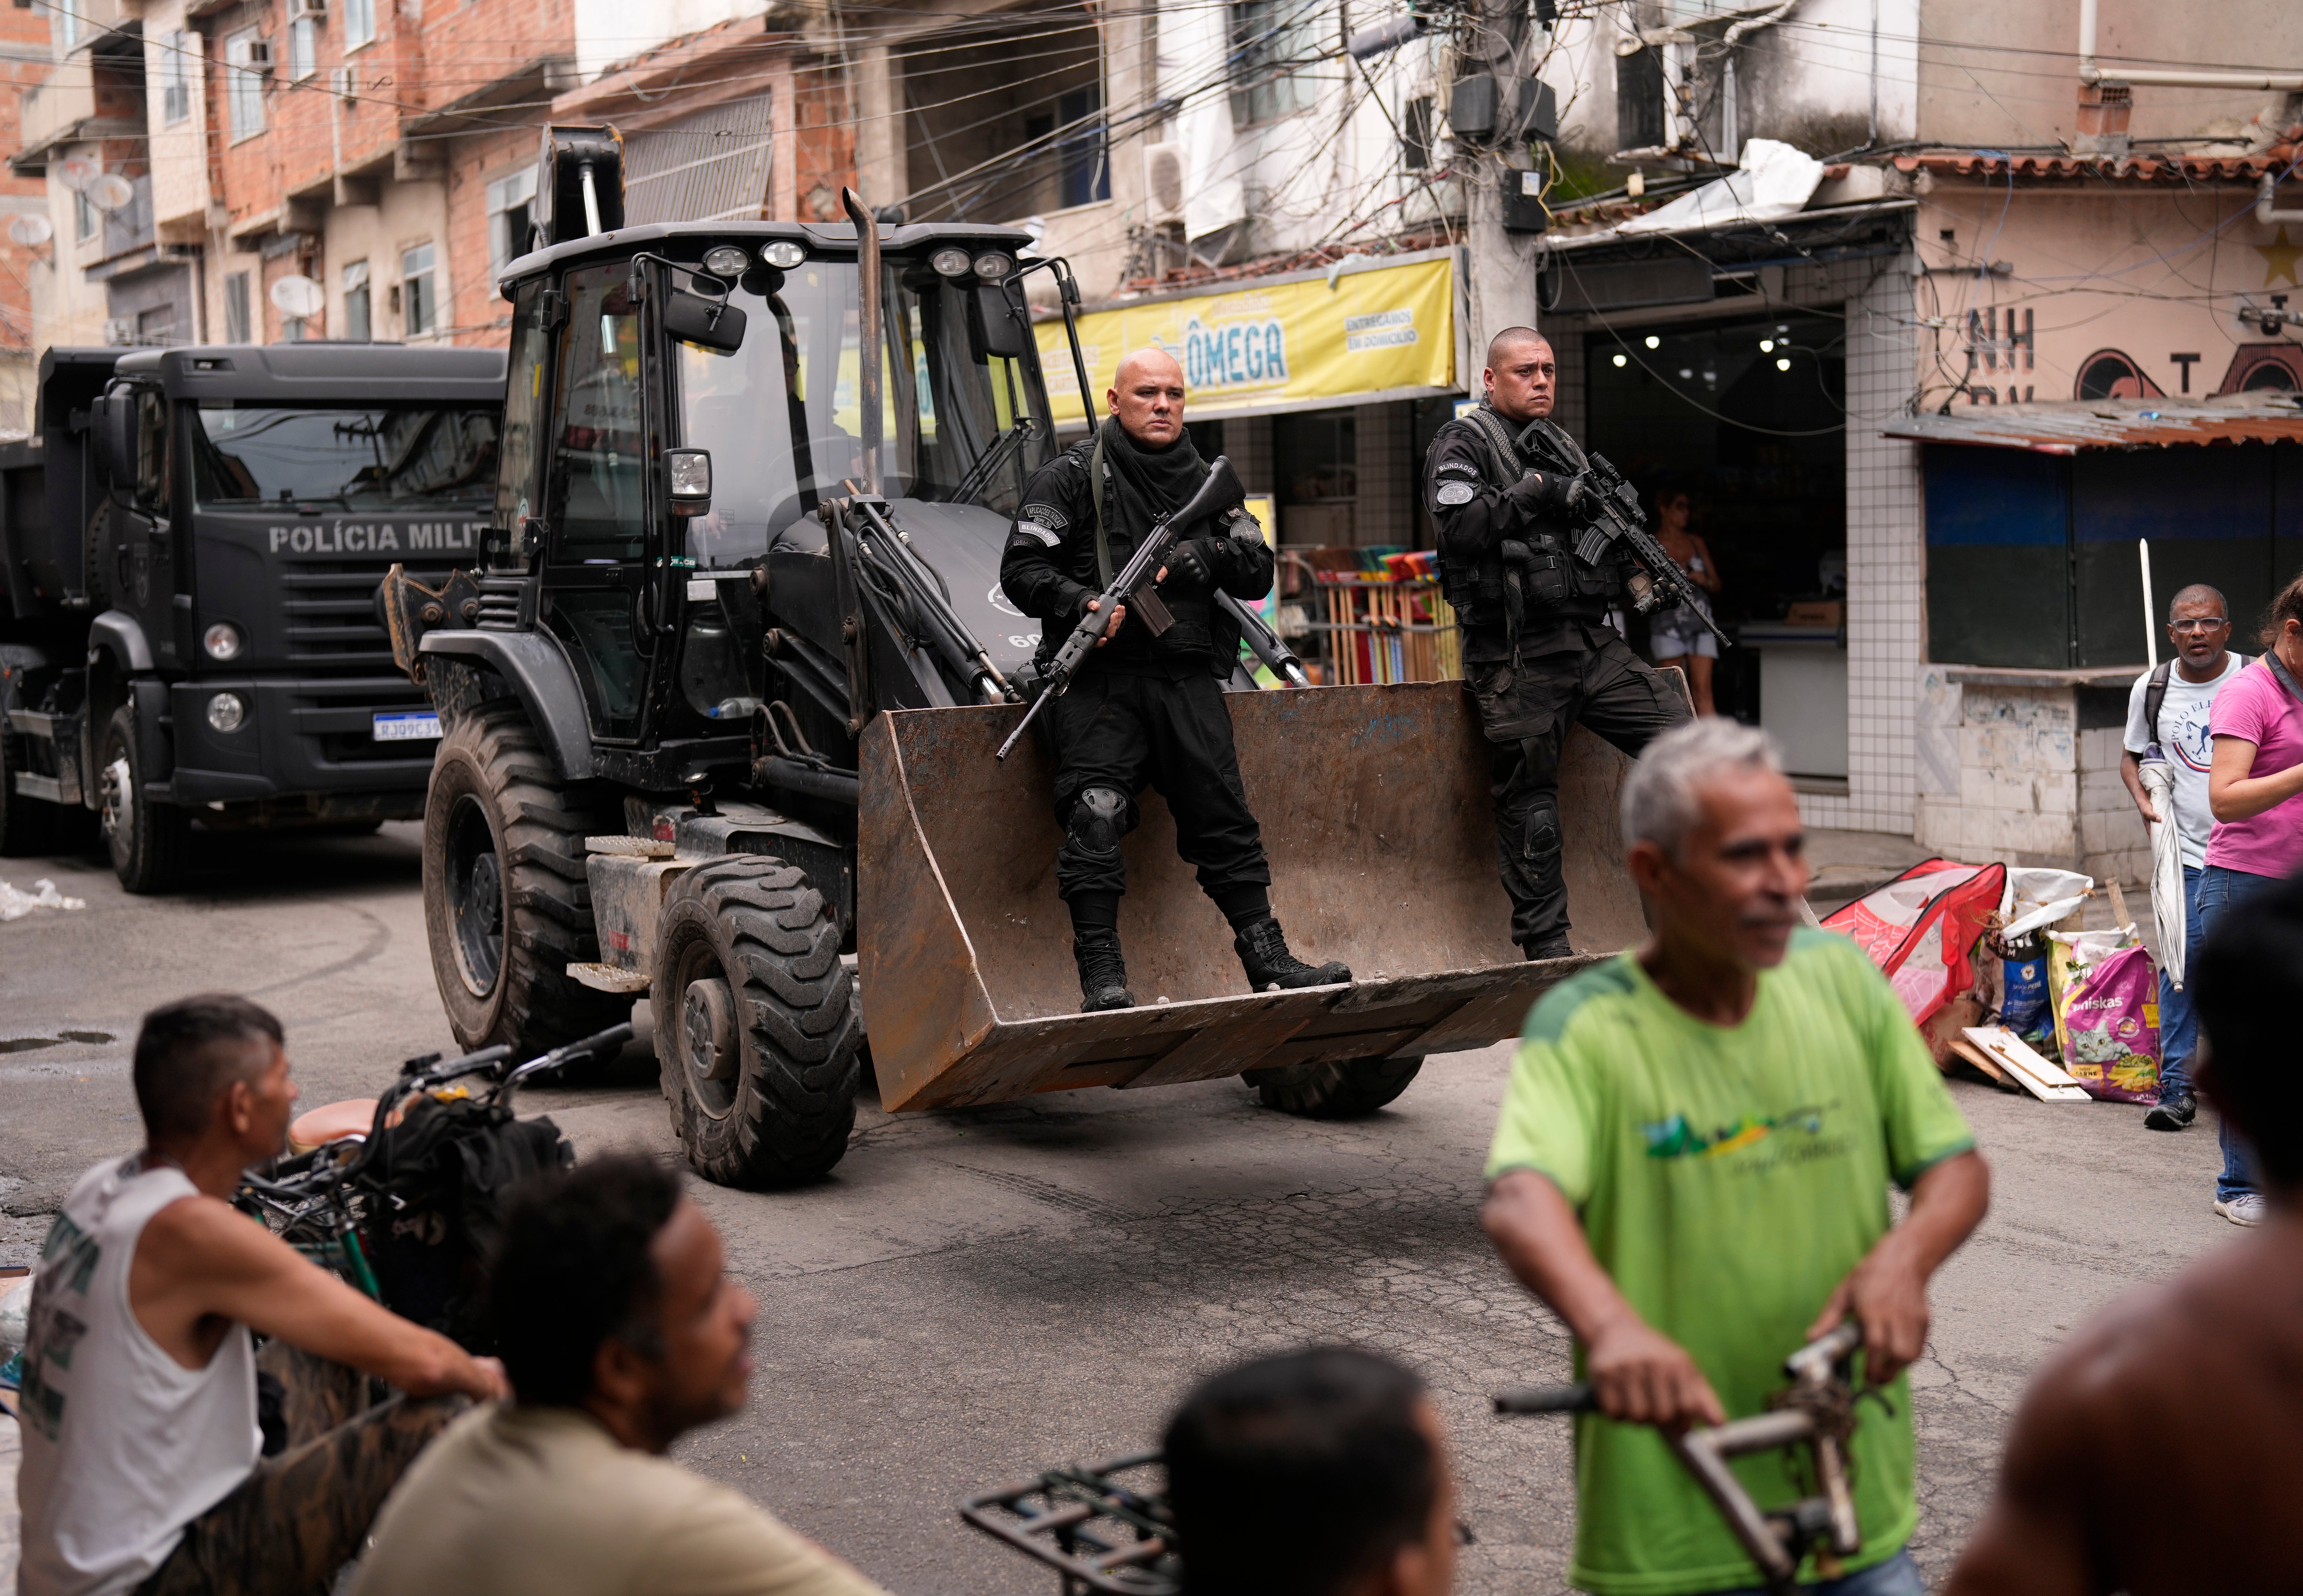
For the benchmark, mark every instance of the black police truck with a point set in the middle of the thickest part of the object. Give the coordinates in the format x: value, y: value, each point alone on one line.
x: 191, y: 542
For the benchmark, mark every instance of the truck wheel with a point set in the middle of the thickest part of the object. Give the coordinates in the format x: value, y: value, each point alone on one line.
x: 506, y: 906
x: 1344, y: 1091
x: 28, y: 825
x: 756, y: 1028
x: 148, y: 839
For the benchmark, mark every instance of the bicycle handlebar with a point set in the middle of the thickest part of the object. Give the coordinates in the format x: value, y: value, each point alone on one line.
x: 1578, y: 1397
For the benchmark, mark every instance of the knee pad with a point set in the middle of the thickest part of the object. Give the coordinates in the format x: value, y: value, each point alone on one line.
x: 1539, y: 842
x: 1099, y: 821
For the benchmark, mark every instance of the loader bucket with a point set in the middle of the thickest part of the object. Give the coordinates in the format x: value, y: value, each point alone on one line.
x: 1375, y: 811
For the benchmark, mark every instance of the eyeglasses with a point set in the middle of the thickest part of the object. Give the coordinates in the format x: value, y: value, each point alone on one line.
x: 2208, y: 624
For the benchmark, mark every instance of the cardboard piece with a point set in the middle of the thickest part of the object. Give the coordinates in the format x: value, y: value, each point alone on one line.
x: 2034, y: 1074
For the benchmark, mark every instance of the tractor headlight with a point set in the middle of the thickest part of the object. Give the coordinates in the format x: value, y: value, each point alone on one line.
x: 221, y: 641
x: 725, y: 260
x: 783, y: 254
x: 950, y: 262
x: 993, y: 266
x: 227, y: 711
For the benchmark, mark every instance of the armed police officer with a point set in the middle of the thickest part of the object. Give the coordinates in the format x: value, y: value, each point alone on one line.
x: 1507, y: 497
x: 1146, y: 711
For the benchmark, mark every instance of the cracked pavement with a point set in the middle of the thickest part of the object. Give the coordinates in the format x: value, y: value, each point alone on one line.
x: 979, y: 1295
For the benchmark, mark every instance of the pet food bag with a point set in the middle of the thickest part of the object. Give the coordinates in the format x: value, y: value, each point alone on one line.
x: 2110, y: 1019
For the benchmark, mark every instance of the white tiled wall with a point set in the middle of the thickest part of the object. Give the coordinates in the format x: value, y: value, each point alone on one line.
x: 1887, y: 554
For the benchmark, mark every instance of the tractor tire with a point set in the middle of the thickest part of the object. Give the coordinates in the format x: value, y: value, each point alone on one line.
x: 1350, y: 1090
x: 148, y: 840
x: 757, y: 1026
x: 506, y: 906
x: 28, y: 825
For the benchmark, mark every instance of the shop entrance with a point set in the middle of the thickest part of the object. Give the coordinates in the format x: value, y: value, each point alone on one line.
x: 1748, y: 417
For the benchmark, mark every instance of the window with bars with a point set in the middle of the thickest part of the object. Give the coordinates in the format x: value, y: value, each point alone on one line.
x: 236, y: 322
x: 419, y: 291
x: 511, y: 215
x: 176, y: 76
x: 243, y: 86
x: 1274, y: 45
x: 359, y: 304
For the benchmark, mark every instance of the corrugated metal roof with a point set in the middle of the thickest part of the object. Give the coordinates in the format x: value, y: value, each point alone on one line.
x: 2069, y: 426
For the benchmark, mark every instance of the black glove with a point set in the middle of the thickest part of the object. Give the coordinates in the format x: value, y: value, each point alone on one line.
x: 1556, y: 493
x: 1191, y: 565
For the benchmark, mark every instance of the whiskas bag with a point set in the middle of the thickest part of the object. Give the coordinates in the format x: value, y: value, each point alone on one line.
x: 2110, y: 1014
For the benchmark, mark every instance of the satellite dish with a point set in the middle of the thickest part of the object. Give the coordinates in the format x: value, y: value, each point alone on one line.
x: 77, y: 172
x: 299, y: 297
x: 111, y: 192
x: 31, y: 230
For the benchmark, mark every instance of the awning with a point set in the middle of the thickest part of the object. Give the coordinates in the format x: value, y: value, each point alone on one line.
x: 2273, y: 415
x: 1300, y: 341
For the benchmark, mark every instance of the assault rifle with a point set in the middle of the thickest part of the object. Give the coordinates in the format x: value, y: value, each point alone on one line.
x: 1616, y: 517
x: 1132, y: 587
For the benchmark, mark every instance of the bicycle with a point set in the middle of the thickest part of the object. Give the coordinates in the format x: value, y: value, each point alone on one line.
x: 1817, y: 1410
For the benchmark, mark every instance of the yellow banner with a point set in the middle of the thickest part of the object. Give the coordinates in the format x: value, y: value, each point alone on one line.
x: 1258, y: 346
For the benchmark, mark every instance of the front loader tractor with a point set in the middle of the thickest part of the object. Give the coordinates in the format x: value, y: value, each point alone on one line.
x: 720, y: 732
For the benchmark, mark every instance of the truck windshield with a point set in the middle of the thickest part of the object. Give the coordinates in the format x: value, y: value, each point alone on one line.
x: 783, y: 415
x: 247, y: 455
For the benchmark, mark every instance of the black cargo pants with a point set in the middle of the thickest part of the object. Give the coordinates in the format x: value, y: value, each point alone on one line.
x: 1129, y: 732
x: 1525, y: 711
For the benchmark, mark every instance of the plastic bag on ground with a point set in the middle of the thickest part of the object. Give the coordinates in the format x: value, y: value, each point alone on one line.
x: 1920, y: 927
x: 2036, y: 896
x: 15, y: 905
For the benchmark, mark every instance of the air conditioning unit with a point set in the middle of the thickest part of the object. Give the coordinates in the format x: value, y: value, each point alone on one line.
x: 318, y: 9
x: 1163, y: 182
x: 259, y: 55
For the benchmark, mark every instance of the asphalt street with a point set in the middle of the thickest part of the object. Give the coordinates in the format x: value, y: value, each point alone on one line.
x: 979, y: 1295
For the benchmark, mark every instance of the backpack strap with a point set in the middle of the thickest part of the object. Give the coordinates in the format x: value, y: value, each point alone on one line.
x: 1095, y: 493
x: 2155, y: 695
x: 1503, y: 453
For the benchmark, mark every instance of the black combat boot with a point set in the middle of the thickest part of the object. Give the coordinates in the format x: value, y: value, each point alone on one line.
x: 1264, y: 954
x: 1104, y: 974
x: 1551, y: 947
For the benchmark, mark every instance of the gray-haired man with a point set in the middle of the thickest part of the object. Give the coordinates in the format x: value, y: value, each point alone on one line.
x: 1692, y: 1169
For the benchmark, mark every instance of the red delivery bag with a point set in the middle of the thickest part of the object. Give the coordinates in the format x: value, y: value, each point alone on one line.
x: 1920, y: 927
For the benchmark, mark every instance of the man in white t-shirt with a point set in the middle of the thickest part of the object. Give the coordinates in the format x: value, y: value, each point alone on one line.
x: 2198, y: 626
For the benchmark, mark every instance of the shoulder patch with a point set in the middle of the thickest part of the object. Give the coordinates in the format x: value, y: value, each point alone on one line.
x: 1246, y: 528
x: 1547, y: 1020
x: 1457, y: 493
x: 1050, y: 517
x: 1455, y: 467
x: 1033, y: 529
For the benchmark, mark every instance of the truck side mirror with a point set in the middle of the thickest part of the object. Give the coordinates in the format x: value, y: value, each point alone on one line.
x: 111, y: 422
x: 1002, y: 330
x: 689, y: 473
x: 712, y: 323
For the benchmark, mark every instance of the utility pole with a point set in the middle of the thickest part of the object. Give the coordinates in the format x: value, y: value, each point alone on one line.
x: 1492, y: 121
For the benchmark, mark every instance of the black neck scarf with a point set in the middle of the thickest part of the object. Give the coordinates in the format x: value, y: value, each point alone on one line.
x: 1154, y: 482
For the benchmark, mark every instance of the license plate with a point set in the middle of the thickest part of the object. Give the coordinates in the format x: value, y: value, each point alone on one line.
x: 408, y: 726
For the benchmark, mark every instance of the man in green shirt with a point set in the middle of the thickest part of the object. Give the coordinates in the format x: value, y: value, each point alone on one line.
x: 1692, y: 1170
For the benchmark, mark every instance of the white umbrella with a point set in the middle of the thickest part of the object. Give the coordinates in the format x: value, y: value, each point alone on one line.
x: 2158, y: 778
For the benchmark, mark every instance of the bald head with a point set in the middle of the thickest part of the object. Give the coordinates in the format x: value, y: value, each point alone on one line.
x: 1522, y: 378
x: 1147, y: 397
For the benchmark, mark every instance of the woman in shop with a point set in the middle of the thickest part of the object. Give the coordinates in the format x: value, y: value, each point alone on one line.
x: 1678, y: 635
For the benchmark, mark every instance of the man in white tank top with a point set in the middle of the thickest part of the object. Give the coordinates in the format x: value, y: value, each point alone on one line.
x: 142, y: 1464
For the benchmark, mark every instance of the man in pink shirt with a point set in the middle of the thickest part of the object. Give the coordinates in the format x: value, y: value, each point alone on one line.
x: 2254, y: 787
